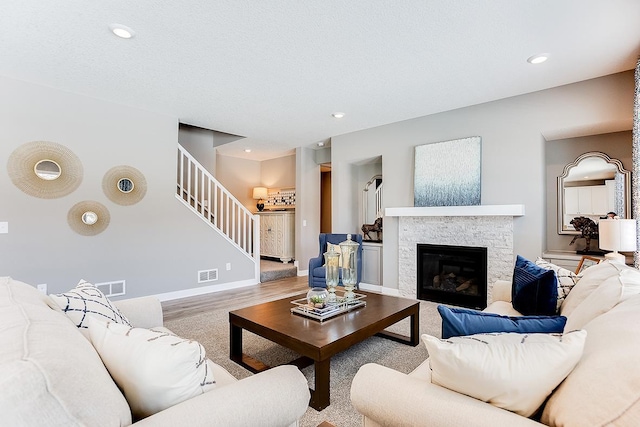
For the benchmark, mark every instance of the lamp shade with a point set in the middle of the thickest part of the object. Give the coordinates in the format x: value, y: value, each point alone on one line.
x: 617, y: 234
x: 260, y: 193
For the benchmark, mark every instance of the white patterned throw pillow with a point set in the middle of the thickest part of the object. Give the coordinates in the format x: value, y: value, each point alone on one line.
x: 85, y: 301
x: 512, y: 371
x: 154, y: 368
x: 567, y: 279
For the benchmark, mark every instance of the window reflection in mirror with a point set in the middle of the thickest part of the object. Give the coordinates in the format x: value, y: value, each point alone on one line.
x: 89, y: 217
x: 592, y: 186
x: 47, y: 169
x: 125, y: 185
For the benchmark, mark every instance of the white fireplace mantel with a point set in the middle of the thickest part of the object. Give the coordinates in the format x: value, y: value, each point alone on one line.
x: 480, y: 210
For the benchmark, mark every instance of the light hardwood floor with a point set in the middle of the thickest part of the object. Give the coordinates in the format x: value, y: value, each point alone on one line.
x: 176, y: 309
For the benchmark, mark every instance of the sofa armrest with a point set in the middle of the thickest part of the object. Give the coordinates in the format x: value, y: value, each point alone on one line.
x: 501, y: 291
x: 391, y: 398
x: 142, y: 312
x: 277, y: 397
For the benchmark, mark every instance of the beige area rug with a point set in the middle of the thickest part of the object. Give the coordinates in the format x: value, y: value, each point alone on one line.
x: 212, y: 330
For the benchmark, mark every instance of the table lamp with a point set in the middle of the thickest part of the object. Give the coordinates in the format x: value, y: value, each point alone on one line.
x: 617, y: 235
x: 259, y: 194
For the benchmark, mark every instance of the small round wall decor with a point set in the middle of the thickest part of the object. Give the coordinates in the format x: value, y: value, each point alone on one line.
x: 88, y: 218
x: 44, y: 169
x: 124, y: 185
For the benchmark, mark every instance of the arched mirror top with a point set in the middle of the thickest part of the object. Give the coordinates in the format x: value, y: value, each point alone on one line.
x: 592, y: 186
x: 591, y: 166
x: 47, y: 169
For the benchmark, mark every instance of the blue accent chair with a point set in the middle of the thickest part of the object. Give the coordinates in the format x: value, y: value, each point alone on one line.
x: 317, y: 273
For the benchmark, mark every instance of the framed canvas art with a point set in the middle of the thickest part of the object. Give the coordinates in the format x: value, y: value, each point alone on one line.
x: 448, y: 173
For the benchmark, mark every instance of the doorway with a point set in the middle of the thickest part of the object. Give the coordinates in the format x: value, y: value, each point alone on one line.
x: 325, y: 198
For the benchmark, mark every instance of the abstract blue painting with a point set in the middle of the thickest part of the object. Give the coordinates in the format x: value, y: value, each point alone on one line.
x: 448, y: 173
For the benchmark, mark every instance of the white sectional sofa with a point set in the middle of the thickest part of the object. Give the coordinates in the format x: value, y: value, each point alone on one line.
x: 51, y: 375
x: 602, y: 390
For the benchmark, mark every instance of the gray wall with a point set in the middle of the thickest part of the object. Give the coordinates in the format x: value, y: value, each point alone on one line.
x: 560, y: 152
x: 199, y: 143
x: 513, y: 132
x: 239, y: 176
x: 279, y: 172
x: 307, y: 207
x: 156, y: 245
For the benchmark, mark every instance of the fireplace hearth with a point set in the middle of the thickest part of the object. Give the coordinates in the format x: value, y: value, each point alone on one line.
x: 455, y: 275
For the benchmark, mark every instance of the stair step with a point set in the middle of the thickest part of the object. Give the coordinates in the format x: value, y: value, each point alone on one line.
x: 270, y: 270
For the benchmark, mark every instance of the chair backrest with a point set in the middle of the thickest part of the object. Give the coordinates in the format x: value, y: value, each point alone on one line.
x: 336, y: 239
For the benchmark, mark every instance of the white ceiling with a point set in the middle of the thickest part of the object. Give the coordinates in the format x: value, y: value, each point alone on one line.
x: 274, y: 71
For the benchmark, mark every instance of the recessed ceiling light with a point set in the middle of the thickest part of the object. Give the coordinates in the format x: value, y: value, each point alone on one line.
x: 320, y: 144
x: 247, y: 150
x: 121, y: 31
x: 538, y: 59
x: 338, y: 115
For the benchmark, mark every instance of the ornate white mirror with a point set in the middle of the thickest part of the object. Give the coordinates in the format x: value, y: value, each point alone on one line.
x: 592, y: 186
x: 47, y: 169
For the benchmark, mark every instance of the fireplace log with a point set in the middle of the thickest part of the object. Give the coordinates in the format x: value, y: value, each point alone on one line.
x: 465, y: 285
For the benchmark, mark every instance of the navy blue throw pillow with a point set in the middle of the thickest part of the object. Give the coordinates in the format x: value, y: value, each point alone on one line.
x: 534, y: 290
x: 457, y: 322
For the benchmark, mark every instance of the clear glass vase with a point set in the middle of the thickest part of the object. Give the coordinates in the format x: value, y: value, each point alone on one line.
x: 349, y: 250
x: 332, y: 275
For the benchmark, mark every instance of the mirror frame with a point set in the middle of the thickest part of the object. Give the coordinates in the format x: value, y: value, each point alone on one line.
x: 560, y: 191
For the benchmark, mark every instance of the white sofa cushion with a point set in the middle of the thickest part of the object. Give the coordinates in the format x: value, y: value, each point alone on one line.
x: 49, y: 373
x: 591, y: 278
x: 85, y: 301
x: 610, y: 292
x: 155, y: 368
x: 512, y: 371
x: 604, y: 388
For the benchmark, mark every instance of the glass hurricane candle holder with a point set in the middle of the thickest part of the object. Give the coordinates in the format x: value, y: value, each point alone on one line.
x: 332, y: 273
x: 349, y: 250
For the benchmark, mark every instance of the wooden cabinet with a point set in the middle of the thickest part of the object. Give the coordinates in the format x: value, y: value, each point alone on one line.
x: 277, y: 235
x: 371, y: 263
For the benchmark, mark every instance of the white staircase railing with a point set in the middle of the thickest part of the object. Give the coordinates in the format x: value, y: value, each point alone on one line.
x: 204, y: 195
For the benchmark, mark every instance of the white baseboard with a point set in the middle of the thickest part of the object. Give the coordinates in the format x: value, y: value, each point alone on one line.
x: 379, y: 289
x: 303, y: 272
x: 168, y: 296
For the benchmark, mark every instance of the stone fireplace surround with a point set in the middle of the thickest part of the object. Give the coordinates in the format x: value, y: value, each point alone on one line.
x: 489, y: 226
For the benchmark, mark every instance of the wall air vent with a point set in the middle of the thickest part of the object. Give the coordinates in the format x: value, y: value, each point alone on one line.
x: 112, y: 289
x: 207, y: 275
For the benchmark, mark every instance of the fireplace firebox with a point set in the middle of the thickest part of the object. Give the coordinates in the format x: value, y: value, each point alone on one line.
x: 455, y: 275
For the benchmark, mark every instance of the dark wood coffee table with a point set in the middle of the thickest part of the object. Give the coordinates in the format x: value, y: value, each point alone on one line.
x: 315, y: 341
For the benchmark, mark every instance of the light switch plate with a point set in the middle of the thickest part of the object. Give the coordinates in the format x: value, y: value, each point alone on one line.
x: 4, y: 227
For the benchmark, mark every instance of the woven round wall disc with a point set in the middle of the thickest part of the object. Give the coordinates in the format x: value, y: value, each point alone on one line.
x: 87, y: 208
x: 22, y: 163
x: 124, y: 185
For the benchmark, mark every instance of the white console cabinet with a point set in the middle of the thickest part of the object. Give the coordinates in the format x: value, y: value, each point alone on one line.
x: 371, y: 263
x: 277, y: 230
